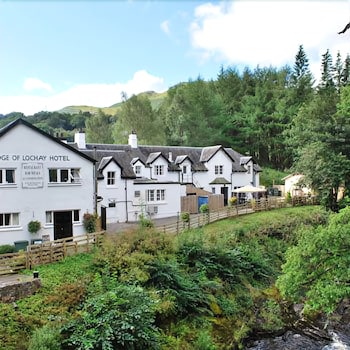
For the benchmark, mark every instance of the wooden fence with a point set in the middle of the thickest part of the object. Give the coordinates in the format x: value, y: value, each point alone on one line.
x: 199, y: 220
x: 190, y: 203
x: 48, y: 252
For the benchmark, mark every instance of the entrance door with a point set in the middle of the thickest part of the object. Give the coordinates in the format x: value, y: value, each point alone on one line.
x: 224, y: 191
x: 63, y: 227
x: 103, y: 218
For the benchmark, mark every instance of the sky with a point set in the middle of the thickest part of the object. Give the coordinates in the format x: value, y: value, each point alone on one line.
x: 58, y: 53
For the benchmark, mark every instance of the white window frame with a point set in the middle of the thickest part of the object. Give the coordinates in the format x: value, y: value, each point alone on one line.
x: 4, y: 177
x: 137, y: 169
x: 9, y: 220
x: 64, y: 176
x: 159, y: 170
x: 249, y: 169
x: 137, y: 194
x: 184, y: 169
x: 110, y: 178
x: 219, y: 169
x: 157, y: 195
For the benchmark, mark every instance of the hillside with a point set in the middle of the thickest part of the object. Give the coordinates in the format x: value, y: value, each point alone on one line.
x: 155, y: 98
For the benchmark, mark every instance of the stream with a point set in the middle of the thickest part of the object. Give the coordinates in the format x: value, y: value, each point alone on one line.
x: 331, y: 333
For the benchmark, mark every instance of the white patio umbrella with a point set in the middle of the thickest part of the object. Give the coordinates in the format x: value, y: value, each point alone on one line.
x: 249, y: 189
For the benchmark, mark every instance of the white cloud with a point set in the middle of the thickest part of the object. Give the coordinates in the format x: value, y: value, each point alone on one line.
x: 265, y: 33
x: 98, y: 95
x: 165, y: 25
x: 31, y: 84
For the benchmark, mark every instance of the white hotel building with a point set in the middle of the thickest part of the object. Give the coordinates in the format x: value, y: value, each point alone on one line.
x: 43, y: 178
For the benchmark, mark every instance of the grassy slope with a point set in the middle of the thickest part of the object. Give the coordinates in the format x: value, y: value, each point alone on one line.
x: 155, y: 98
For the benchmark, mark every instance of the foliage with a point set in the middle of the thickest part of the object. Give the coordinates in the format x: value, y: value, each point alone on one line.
x: 316, y: 269
x: 146, y: 222
x: 121, y: 318
x: 89, y: 222
x: 45, y: 338
x: 98, y: 128
x: 34, y: 226
x: 270, y: 177
x: 204, y: 208
x: 232, y: 201
x: 136, y: 115
x: 7, y: 248
x: 185, y: 216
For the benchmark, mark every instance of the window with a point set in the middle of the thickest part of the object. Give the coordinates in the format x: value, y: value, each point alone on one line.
x: 159, y: 170
x: 155, y: 195
x: 64, y: 175
x: 9, y: 219
x: 7, y: 176
x: 110, y: 178
x: 137, y: 194
x: 213, y: 190
x: 160, y: 195
x: 49, y: 217
x: 138, y: 169
x: 111, y: 205
x: 184, y: 169
x: 248, y: 169
x: 150, y: 195
x: 219, y: 169
x: 76, y: 215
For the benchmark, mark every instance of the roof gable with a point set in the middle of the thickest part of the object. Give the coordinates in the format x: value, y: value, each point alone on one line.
x: 21, y: 121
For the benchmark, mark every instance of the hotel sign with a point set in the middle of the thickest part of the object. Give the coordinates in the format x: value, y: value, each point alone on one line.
x: 32, y: 175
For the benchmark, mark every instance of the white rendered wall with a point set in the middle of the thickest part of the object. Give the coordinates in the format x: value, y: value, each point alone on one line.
x: 23, y: 146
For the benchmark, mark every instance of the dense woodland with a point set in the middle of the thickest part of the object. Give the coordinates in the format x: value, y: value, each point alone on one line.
x: 281, y: 116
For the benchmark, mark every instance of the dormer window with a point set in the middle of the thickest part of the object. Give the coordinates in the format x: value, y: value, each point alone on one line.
x: 159, y: 170
x: 137, y: 169
x: 184, y: 169
x: 110, y: 178
x: 219, y: 169
x: 249, y: 168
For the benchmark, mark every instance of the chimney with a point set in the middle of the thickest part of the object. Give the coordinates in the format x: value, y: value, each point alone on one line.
x: 79, y: 139
x: 170, y: 157
x: 133, y: 140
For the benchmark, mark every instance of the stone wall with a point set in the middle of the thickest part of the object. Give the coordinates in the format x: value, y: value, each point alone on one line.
x: 14, y: 290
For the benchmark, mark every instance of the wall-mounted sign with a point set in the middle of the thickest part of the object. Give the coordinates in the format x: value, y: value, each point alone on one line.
x: 32, y: 175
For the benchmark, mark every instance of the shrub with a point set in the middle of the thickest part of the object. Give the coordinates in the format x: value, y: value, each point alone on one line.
x: 145, y: 222
x: 89, y: 221
x: 7, y: 248
x: 122, y: 318
x: 232, y: 201
x: 185, y: 216
x: 45, y: 338
x: 34, y: 226
x: 204, y: 208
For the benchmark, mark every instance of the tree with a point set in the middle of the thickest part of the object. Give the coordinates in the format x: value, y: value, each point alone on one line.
x: 98, y: 128
x: 327, y: 82
x: 137, y: 115
x: 193, y: 114
x: 316, y: 271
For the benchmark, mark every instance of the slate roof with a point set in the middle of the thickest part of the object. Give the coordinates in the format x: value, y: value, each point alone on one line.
x: 126, y: 156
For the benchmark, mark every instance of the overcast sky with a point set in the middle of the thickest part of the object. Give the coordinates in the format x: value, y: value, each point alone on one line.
x: 59, y: 53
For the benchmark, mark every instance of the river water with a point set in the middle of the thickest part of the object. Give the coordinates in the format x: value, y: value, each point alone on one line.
x: 337, y: 344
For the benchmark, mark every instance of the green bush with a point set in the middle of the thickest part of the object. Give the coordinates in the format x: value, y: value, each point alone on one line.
x: 204, y: 208
x: 89, y: 222
x: 34, y: 226
x: 45, y: 338
x: 120, y: 318
x: 146, y: 222
x: 185, y: 216
x: 7, y: 248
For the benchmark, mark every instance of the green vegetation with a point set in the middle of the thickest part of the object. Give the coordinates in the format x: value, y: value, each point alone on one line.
x: 207, y: 288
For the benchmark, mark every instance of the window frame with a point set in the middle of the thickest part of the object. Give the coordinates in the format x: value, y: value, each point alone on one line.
x: 9, y: 220
x: 111, y: 178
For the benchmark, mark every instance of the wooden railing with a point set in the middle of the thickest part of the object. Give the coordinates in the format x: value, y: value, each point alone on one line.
x: 199, y: 220
x: 53, y: 251
x: 48, y: 252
